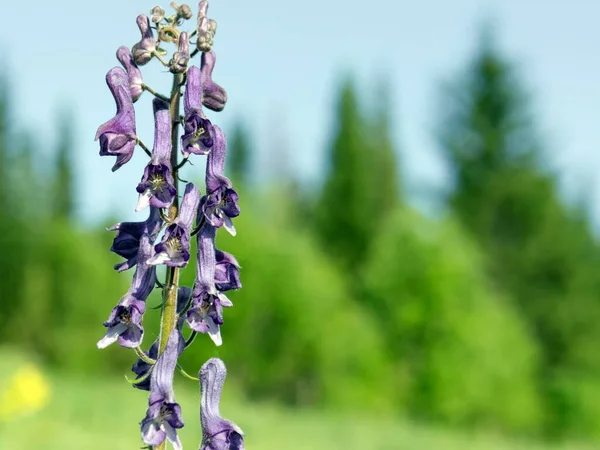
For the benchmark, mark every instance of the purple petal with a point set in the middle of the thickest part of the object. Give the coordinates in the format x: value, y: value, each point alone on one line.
x: 133, y: 72
x: 214, y: 97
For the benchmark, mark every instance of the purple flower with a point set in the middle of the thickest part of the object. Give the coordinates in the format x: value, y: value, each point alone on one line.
x: 206, y: 312
x: 220, y: 204
x: 141, y: 367
x: 181, y: 57
x: 118, y: 135
x: 125, y: 321
x: 144, y: 50
x: 213, y: 96
x: 174, y: 249
x: 198, y: 131
x: 133, y: 72
x: 163, y: 415
x: 127, y: 240
x: 206, y: 28
x: 157, y: 186
x: 227, y: 273
x: 217, y: 433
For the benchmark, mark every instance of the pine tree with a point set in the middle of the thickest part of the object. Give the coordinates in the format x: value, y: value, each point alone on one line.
x: 361, y: 183
x: 239, y: 151
x: 63, y: 201
x: 540, y: 251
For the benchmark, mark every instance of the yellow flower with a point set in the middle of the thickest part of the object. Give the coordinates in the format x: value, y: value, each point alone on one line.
x: 26, y: 392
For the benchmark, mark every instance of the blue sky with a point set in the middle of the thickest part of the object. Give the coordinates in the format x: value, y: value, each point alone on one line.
x: 280, y: 62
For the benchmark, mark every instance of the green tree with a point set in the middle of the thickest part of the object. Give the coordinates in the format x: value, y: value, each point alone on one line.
x: 540, y: 251
x: 63, y: 202
x: 361, y: 182
x: 238, y: 153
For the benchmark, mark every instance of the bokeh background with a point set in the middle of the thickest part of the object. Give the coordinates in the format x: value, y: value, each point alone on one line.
x: 419, y: 229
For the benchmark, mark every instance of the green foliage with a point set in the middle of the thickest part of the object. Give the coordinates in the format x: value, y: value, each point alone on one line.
x: 292, y: 334
x: 238, y: 154
x: 542, y: 253
x: 63, y: 202
x: 462, y: 353
x: 361, y: 184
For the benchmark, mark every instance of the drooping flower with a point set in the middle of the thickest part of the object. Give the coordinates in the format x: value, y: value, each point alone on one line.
x: 118, y: 136
x: 157, y: 186
x: 127, y: 240
x: 174, y: 249
x: 133, y: 72
x: 220, y: 204
x: 198, y: 131
x: 144, y: 50
x: 163, y: 416
x: 125, y: 321
x: 227, y: 273
x: 141, y: 367
x: 206, y: 28
x: 213, y: 96
x: 217, y: 433
x: 181, y: 57
x: 206, y: 312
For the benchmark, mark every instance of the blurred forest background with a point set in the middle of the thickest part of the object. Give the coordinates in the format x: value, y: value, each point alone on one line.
x: 482, y: 317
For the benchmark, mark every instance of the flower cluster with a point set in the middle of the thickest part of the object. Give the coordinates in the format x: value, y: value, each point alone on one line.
x: 164, y: 236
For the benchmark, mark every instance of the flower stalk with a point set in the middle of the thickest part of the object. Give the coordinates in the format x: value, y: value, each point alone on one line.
x: 164, y: 237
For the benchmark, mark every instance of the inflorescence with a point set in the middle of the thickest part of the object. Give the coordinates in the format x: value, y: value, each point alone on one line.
x: 164, y: 237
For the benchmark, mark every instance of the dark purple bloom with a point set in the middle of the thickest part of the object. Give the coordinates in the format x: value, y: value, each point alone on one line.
x: 118, y: 135
x: 144, y: 50
x: 198, y: 131
x: 227, y: 273
x: 217, y: 433
x: 206, y: 312
x: 127, y: 241
x: 157, y: 186
x: 181, y: 57
x: 163, y: 415
x: 220, y: 204
x: 141, y: 367
x: 174, y: 249
x: 206, y: 28
x: 213, y: 96
x: 125, y: 321
x: 133, y: 72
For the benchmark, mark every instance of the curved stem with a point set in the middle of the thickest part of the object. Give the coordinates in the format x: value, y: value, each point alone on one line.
x: 156, y: 94
x: 139, y: 142
x: 143, y: 356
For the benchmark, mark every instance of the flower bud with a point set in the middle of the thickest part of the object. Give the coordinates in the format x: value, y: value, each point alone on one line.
x: 158, y: 14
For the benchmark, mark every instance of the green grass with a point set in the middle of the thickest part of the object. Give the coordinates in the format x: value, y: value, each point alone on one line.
x: 104, y: 414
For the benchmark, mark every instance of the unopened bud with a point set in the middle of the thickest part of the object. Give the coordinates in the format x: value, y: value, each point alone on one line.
x: 158, y: 14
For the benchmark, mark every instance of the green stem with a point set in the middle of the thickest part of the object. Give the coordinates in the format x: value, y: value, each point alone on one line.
x: 168, y: 319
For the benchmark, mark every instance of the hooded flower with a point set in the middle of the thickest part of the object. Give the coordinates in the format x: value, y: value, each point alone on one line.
x: 198, y: 131
x: 220, y: 204
x: 144, y: 50
x: 118, y: 135
x: 127, y: 240
x: 217, y: 433
x: 174, y: 249
x: 125, y: 321
x: 213, y: 96
x: 163, y: 415
x: 227, y: 273
x: 141, y: 367
x: 157, y: 186
x: 133, y: 72
x: 181, y: 57
x: 206, y: 28
x: 206, y: 312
